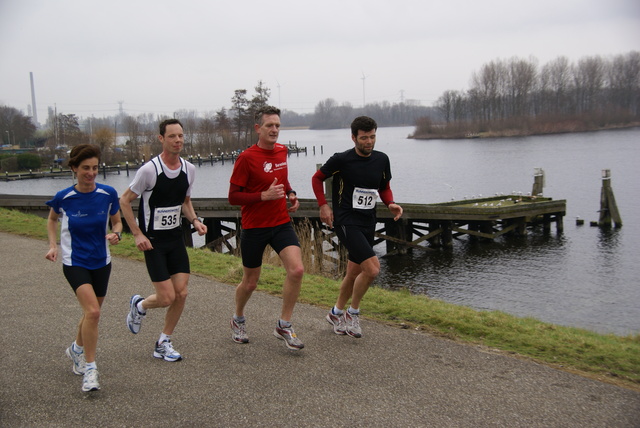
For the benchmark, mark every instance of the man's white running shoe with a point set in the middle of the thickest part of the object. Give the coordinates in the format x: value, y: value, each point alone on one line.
x: 134, y: 317
x: 239, y: 331
x: 289, y: 337
x: 165, y: 351
x: 79, y: 363
x: 337, y: 321
x: 353, y: 324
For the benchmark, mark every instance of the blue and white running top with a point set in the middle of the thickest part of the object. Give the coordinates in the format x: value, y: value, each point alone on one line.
x: 84, y: 221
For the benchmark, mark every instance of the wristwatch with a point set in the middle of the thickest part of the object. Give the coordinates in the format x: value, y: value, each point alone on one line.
x: 119, y: 235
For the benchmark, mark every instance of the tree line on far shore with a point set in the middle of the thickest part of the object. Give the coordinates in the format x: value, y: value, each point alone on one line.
x: 124, y: 137
x: 516, y: 97
x: 506, y: 97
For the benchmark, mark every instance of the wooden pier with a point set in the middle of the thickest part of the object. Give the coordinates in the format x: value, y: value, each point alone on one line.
x: 423, y: 227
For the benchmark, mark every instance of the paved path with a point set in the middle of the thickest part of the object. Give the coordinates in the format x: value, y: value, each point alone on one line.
x: 390, y: 377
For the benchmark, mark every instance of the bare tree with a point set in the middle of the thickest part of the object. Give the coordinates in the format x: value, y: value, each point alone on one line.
x: 325, y: 115
x: 134, y: 136
x: 589, y: 77
x: 624, y: 78
x: 104, y: 138
x: 69, y: 130
x: 242, y: 117
x: 206, y: 135
x: 260, y: 99
x: 445, y: 105
x: 522, y: 80
x: 15, y: 127
x: 555, y: 83
x: 189, y: 119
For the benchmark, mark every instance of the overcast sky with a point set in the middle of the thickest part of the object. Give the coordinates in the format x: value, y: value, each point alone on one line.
x: 161, y: 56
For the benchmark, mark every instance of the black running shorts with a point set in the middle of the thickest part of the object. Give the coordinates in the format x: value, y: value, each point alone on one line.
x: 358, y: 241
x: 98, y: 278
x: 167, y: 259
x: 254, y: 241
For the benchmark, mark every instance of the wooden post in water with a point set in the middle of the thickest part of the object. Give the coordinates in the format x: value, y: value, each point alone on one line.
x: 486, y: 227
x: 608, y: 208
x: 546, y: 223
x: 397, y: 229
x: 538, y: 182
x: 214, y: 232
x: 447, y: 234
x: 559, y: 224
x: 434, y: 241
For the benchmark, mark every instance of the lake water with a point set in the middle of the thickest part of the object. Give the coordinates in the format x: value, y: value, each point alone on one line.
x: 586, y: 277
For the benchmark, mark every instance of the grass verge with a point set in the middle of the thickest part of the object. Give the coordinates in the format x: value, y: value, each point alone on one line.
x: 609, y: 358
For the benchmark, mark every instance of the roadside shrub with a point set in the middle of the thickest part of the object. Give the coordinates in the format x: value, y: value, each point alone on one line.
x: 29, y: 161
x: 8, y: 164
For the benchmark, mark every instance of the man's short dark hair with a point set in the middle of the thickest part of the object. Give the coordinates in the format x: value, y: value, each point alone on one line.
x: 363, y: 123
x: 265, y: 110
x: 165, y: 123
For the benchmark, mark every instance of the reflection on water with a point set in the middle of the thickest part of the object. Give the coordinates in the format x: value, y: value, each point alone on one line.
x: 478, y: 273
x: 586, y: 277
x: 609, y: 240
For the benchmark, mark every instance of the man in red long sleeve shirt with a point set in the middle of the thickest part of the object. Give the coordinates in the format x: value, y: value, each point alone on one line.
x: 260, y: 185
x: 359, y: 176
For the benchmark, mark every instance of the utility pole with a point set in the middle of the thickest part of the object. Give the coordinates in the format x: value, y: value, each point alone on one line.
x: 90, y: 130
x: 278, y: 85
x: 363, y: 91
x: 402, y: 106
x: 55, y: 123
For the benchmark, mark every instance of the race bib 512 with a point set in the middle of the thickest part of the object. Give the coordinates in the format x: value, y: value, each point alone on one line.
x: 364, y: 199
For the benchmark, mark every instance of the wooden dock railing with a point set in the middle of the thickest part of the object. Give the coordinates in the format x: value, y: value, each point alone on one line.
x: 434, y: 224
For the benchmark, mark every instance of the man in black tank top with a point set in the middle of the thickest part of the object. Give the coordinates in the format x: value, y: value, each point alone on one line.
x: 155, y: 214
x: 164, y: 184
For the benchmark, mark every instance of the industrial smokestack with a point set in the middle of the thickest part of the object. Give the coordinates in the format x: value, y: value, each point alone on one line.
x: 33, y: 101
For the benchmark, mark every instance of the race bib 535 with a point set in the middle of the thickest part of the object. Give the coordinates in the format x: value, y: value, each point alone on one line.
x: 166, y: 218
